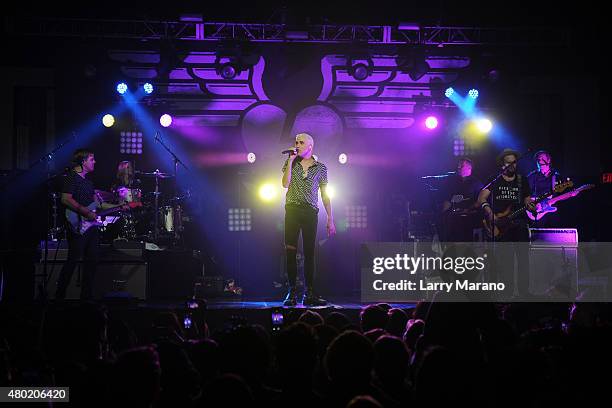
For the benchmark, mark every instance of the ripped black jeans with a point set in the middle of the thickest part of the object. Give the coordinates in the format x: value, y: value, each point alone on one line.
x: 304, y: 219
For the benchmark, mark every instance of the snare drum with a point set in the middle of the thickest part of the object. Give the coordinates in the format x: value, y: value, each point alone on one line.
x: 168, y: 218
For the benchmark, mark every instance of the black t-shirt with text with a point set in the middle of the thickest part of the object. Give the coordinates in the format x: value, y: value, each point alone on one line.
x: 509, y: 193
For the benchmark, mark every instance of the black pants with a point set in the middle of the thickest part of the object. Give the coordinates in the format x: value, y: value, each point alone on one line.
x: 514, y: 243
x: 80, y: 247
x: 304, y: 219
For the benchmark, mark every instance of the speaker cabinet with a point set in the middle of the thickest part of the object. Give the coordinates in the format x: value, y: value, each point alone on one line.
x: 113, y: 279
x: 553, y: 262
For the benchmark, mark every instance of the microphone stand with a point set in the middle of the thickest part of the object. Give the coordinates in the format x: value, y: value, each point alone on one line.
x: 486, y: 187
x: 176, y: 161
x: 55, y: 230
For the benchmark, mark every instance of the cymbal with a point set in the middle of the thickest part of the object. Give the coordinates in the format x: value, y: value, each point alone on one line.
x: 157, y: 174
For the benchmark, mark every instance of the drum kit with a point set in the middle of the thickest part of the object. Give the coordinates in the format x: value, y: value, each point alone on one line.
x: 160, y: 220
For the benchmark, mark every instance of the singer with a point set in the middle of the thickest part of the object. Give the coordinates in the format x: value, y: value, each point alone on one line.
x: 303, y: 177
x: 505, y: 196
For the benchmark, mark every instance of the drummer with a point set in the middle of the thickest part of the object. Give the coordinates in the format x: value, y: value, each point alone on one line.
x: 125, y: 182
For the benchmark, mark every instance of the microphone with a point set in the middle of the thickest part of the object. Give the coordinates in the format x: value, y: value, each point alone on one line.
x: 289, y: 151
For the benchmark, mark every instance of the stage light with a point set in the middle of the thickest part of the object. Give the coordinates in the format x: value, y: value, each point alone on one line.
x: 148, y: 88
x: 331, y: 191
x: 228, y: 70
x: 359, y: 71
x: 165, y: 120
x: 268, y: 192
x: 431, y: 122
x: 357, y: 216
x: 108, y: 120
x: 421, y: 67
x: 449, y: 92
x: 458, y: 147
x: 484, y: 125
x: 130, y: 142
x: 360, y: 66
x: 122, y: 88
x: 251, y: 158
x: 342, y: 158
x: 239, y: 219
x: 473, y: 93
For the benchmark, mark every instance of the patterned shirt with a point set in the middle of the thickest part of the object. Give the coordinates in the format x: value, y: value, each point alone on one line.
x: 304, y: 192
x: 82, y: 189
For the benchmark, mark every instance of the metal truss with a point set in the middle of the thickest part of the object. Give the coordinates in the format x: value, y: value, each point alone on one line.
x: 211, y: 31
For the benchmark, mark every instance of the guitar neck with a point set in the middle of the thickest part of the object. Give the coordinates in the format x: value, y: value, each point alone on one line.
x: 521, y: 210
x: 570, y: 194
x: 108, y: 211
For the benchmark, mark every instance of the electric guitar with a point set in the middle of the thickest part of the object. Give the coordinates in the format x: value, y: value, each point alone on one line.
x: 547, y: 205
x: 80, y: 224
x: 505, y: 220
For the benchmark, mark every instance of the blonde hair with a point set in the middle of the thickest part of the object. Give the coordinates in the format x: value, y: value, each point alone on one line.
x: 307, y: 137
x: 125, y: 173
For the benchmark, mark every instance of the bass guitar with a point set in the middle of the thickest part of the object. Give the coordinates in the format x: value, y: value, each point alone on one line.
x: 547, y: 205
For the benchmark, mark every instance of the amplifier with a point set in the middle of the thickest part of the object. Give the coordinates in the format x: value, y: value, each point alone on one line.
x: 553, y: 262
x: 113, y: 279
x: 118, y: 251
x: 553, y: 236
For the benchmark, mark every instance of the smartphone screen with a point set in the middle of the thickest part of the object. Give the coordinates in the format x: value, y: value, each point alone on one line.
x: 187, y: 322
x: 277, y: 319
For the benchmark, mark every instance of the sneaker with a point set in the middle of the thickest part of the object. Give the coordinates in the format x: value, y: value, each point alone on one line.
x: 310, y: 299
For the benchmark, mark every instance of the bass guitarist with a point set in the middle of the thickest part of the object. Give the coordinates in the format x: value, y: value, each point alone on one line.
x: 508, y: 194
x: 542, y: 180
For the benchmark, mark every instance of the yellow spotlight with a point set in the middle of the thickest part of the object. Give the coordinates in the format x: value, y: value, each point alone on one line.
x: 331, y: 191
x: 108, y: 120
x: 268, y: 192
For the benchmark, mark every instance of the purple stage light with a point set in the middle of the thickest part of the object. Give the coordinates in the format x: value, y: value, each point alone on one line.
x: 431, y: 122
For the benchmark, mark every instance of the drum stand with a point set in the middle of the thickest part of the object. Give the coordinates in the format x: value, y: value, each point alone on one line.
x: 156, y: 208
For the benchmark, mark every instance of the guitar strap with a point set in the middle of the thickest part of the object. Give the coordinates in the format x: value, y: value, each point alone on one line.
x: 519, y: 179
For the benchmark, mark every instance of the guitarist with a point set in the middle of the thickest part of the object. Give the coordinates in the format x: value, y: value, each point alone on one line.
x: 542, y: 180
x: 510, y: 192
x: 77, y: 194
x: 460, y: 204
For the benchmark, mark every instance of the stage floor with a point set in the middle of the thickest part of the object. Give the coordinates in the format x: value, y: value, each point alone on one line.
x: 256, y: 304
